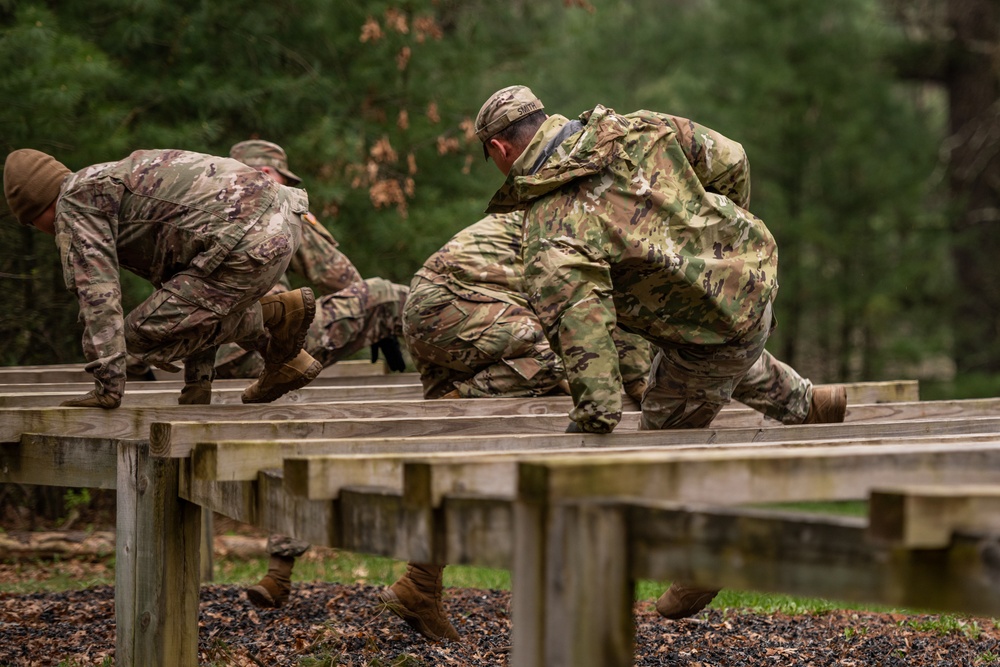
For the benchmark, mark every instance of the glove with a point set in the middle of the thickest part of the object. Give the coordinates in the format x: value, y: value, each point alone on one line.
x: 94, y: 400
x: 574, y: 428
x: 393, y: 355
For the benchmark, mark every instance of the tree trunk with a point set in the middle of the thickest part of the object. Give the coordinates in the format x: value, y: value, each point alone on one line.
x: 974, y: 158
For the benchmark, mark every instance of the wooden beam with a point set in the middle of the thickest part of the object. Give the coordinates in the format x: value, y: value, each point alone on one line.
x: 808, y: 555
x: 926, y: 517
x: 50, y: 460
x: 176, y: 438
x: 280, y: 512
x: 236, y: 500
x: 135, y: 423
x: 157, y: 563
x: 731, y: 476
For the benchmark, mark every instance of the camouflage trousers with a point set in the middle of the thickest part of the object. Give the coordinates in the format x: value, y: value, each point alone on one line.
x: 346, y: 322
x: 480, y: 348
x: 191, y: 314
x: 689, y: 385
x: 286, y: 547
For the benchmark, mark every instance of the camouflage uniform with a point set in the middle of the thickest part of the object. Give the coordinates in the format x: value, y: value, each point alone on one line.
x: 634, y: 219
x: 210, y: 233
x: 469, y: 328
x: 286, y: 547
x: 353, y: 315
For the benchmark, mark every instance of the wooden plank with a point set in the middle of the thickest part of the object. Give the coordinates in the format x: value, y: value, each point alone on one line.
x: 175, y: 386
x: 426, y: 478
x: 135, y: 423
x: 236, y: 500
x: 280, y: 512
x: 76, y: 372
x: 808, y: 555
x: 224, y: 395
x: 733, y: 475
x: 240, y: 460
x: 157, y: 563
x: 60, y: 461
x: 926, y: 517
x: 177, y: 438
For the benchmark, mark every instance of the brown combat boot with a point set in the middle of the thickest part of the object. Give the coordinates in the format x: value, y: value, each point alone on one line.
x: 279, y: 379
x: 416, y: 598
x: 287, y: 317
x: 680, y: 601
x: 272, y: 591
x: 828, y: 406
x: 196, y: 393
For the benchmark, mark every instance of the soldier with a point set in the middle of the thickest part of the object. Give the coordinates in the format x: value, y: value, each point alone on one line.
x: 355, y: 314
x: 471, y: 334
x: 211, y: 234
x: 640, y: 221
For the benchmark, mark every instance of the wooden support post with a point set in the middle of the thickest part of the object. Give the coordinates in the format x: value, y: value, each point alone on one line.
x: 157, y: 571
x: 572, y: 598
x: 207, y: 559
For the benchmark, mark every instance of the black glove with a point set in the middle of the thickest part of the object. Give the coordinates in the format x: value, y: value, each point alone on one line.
x: 393, y: 355
x: 574, y: 428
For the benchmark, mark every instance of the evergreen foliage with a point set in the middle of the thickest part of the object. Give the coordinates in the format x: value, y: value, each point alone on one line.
x: 374, y: 101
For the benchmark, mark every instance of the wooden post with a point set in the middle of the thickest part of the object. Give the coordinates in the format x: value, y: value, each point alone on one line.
x: 157, y: 567
x: 572, y: 597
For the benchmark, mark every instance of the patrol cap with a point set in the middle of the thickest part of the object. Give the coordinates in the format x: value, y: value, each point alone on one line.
x: 259, y: 153
x: 504, y: 108
x: 31, y: 182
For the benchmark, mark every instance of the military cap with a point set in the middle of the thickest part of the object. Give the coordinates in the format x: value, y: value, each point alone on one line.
x: 504, y: 108
x: 259, y: 153
x: 31, y: 182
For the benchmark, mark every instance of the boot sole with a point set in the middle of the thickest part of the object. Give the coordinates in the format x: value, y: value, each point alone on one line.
x: 261, y: 599
x: 279, y: 390
x: 390, y: 601
x: 308, y: 315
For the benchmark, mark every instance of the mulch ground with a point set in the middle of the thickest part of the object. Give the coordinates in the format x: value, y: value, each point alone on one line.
x: 334, y: 624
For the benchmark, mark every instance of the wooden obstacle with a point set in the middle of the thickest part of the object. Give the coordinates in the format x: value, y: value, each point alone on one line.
x: 359, y: 462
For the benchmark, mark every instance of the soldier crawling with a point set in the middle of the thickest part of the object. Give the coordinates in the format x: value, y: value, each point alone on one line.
x: 210, y: 233
x: 640, y: 221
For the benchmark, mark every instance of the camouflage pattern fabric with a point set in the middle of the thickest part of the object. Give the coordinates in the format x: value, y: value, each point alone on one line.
x: 210, y: 233
x: 286, y: 547
x: 319, y: 260
x: 346, y: 322
x: 775, y: 389
x: 469, y: 327
x: 628, y: 221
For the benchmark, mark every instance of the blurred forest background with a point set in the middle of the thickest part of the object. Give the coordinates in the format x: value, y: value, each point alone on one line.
x: 871, y: 125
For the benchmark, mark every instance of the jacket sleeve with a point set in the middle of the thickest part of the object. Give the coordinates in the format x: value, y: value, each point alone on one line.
x: 319, y: 261
x: 568, y: 285
x: 720, y: 163
x: 87, y: 245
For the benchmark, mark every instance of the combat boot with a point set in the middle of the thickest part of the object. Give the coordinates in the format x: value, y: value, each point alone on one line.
x: 680, y: 601
x: 272, y: 590
x: 828, y: 406
x: 416, y: 598
x: 279, y: 379
x: 196, y: 393
x: 287, y: 317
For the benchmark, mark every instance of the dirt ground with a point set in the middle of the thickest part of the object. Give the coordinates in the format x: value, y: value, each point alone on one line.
x: 332, y: 624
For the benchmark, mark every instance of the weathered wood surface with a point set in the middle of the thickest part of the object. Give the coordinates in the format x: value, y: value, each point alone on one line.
x: 173, y: 387
x: 76, y: 372
x: 241, y: 459
x: 927, y: 517
x: 174, y: 438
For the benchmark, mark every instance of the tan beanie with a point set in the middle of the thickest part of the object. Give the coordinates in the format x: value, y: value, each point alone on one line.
x: 31, y: 181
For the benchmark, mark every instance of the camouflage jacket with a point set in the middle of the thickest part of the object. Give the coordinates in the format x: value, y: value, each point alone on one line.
x: 155, y: 213
x: 482, y: 262
x: 319, y: 261
x: 636, y: 220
